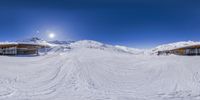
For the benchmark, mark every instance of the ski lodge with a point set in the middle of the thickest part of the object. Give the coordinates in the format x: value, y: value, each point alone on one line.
x: 19, y: 49
x: 188, y: 50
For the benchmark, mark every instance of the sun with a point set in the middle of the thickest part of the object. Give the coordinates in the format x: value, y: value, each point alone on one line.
x: 51, y: 35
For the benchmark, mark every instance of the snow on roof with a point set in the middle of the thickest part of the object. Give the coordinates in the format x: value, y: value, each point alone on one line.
x: 7, y: 43
x: 176, y: 45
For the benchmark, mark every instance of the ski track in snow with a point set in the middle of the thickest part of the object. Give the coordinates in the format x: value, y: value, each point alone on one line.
x: 94, y: 74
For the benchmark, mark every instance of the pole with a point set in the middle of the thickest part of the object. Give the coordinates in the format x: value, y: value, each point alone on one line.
x: 45, y: 49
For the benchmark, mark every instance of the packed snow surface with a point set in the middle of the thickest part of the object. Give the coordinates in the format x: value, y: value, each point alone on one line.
x: 93, y: 71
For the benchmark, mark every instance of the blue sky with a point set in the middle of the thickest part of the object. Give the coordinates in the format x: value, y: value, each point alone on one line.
x: 134, y: 23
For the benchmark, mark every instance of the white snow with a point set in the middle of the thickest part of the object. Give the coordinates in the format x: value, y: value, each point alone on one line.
x: 97, y: 45
x: 130, y: 50
x: 94, y: 71
x: 175, y: 45
x: 8, y: 43
x: 34, y: 41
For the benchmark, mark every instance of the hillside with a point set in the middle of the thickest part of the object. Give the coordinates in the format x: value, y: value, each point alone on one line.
x: 98, y: 45
x: 90, y: 70
x: 175, y: 45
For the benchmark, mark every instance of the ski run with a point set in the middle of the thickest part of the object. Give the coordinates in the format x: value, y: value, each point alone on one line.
x: 89, y: 70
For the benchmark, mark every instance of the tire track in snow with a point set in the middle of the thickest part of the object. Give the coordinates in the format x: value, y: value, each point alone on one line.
x: 51, y: 85
x: 45, y: 87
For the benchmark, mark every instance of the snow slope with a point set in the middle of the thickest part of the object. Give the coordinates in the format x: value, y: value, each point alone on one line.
x: 97, y: 45
x: 175, y: 45
x: 93, y: 71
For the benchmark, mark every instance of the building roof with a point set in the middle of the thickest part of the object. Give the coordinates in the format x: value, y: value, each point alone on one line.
x: 25, y: 43
x: 187, y: 47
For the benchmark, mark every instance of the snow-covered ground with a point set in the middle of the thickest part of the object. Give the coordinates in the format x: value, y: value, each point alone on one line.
x: 91, y: 70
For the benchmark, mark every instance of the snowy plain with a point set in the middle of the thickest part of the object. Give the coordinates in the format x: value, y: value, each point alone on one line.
x: 94, y: 71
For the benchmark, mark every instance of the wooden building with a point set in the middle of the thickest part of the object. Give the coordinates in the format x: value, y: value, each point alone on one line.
x: 19, y: 49
x: 188, y: 50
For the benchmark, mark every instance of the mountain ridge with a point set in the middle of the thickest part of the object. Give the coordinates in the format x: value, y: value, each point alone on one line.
x: 99, y: 45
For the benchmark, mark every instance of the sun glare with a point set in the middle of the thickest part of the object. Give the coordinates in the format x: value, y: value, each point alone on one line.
x: 51, y: 35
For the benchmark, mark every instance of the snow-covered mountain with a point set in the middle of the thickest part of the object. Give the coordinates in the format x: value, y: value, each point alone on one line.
x: 175, y: 45
x: 34, y: 40
x: 78, y: 44
x: 61, y: 42
x: 130, y: 50
x: 98, y: 45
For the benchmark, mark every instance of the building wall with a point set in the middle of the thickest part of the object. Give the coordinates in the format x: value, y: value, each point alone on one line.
x: 26, y: 51
x: 1, y: 50
x: 193, y: 51
x: 8, y: 51
x: 182, y: 51
x: 18, y: 49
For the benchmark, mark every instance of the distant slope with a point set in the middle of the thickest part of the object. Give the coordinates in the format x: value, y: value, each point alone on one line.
x: 34, y: 40
x: 102, y: 46
x: 98, y: 45
x: 175, y: 45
